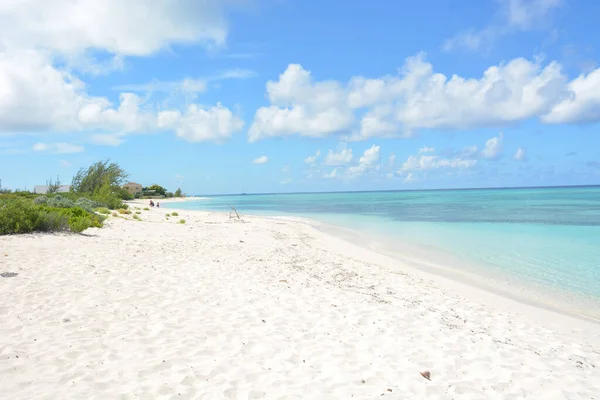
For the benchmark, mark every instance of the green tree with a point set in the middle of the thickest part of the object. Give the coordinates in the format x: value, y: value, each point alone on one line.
x: 102, y: 175
x: 178, y: 193
x: 158, y: 189
x: 53, y: 186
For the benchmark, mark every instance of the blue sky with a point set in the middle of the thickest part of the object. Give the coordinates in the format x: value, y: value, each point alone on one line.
x: 283, y: 96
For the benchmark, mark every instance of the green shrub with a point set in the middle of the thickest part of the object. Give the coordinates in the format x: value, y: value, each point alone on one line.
x: 146, y: 209
x: 182, y: 221
x: 123, y: 211
x: 60, y: 202
x: 80, y: 223
x: 40, y: 200
x: 136, y: 217
x: 53, y: 221
x: 23, y: 216
x: 174, y: 214
x: 103, y: 210
x: 19, y: 216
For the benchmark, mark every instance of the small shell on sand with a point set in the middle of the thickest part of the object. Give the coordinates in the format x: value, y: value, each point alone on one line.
x: 426, y: 375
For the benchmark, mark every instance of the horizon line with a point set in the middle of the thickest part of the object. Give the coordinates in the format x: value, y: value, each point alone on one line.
x: 404, y: 190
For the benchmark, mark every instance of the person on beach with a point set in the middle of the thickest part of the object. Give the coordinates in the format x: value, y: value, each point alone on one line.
x: 151, y: 203
x: 158, y: 204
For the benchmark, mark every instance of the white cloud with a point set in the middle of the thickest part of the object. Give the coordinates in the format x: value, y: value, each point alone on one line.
x: 261, y: 160
x: 64, y: 163
x: 582, y: 104
x: 419, y: 98
x: 392, y: 160
x: 369, y: 160
x: 197, y: 124
x: 37, y: 96
x: 432, y: 162
x: 426, y: 149
x: 187, y: 85
x: 333, y: 174
x: 39, y: 61
x: 108, y: 139
x: 312, y: 159
x: 286, y: 181
x: 58, y: 148
x: 493, y: 147
x: 525, y: 14
x: 409, y: 178
x: 513, y: 16
x: 342, y: 157
x: 301, y: 106
x: 520, y: 154
x: 135, y: 27
x: 285, y: 169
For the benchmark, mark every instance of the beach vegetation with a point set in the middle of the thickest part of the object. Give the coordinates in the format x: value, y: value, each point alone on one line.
x: 155, y: 190
x: 102, y: 210
x: 182, y: 221
x: 174, y: 214
x: 146, y: 209
x: 167, y: 215
x: 123, y: 211
x: 53, y: 186
x: 178, y: 193
x: 136, y: 217
x: 23, y: 215
x: 138, y: 212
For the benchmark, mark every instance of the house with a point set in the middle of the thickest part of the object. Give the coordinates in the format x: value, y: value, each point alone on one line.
x: 43, y: 189
x: 133, y: 188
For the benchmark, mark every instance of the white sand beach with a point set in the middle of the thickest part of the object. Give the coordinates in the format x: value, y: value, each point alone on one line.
x: 264, y: 309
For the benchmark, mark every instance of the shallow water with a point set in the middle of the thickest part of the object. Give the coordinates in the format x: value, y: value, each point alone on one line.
x: 542, y: 242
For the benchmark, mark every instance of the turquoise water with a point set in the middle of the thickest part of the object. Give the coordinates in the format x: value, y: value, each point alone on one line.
x: 542, y: 242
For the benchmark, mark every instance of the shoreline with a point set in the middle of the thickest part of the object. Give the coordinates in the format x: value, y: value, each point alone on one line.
x: 264, y: 308
x: 449, y: 276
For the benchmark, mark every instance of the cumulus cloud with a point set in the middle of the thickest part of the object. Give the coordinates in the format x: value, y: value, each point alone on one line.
x: 64, y: 163
x: 40, y: 60
x: 58, y: 148
x: 342, y: 157
x: 520, y: 154
x: 368, y: 161
x: 581, y: 105
x: 137, y: 27
x: 37, y: 96
x: 493, y: 147
x: 427, y: 160
x: 418, y: 98
x: 261, y: 160
x: 301, y: 106
x: 197, y: 124
x: 312, y: 159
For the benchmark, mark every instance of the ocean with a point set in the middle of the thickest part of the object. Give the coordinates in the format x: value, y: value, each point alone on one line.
x: 539, y: 244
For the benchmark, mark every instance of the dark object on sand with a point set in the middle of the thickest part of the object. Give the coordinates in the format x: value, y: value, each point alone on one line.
x: 426, y: 375
x: 9, y: 274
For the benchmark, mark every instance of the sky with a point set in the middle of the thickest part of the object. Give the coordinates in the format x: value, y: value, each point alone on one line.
x: 279, y: 96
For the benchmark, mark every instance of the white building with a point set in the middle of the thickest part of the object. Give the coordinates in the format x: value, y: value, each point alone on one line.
x: 43, y: 189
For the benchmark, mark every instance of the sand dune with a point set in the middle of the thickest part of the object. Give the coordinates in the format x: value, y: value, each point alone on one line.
x: 262, y: 309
